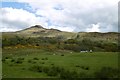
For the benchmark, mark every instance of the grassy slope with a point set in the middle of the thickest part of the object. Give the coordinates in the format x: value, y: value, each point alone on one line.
x: 93, y: 60
x: 109, y: 37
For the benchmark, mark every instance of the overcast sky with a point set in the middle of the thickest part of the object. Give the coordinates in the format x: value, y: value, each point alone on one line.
x: 65, y: 15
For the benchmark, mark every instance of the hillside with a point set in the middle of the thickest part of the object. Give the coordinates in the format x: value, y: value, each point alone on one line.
x: 56, y: 39
x: 39, y: 31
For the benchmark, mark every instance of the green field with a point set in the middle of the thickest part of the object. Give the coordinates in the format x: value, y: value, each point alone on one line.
x: 86, y: 63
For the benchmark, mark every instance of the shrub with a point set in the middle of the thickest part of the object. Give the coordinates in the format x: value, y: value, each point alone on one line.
x: 73, y: 47
x: 52, y: 72
x: 19, y: 61
x: 62, y: 54
x: 23, y: 68
x: 42, y: 59
x: 33, y: 62
x: 6, y: 57
x: 43, y: 63
x: 29, y: 61
x: 45, y: 69
x: 77, y: 66
x: 65, y: 75
x: 83, y: 67
x: 56, y: 69
x: 46, y: 58
x: 86, y: 68
x: 20, y: 58
x: 35, y: 58
x: 82, y: 75
x: 12, y: 60
x: 107, y: 72
x: 3, y: 60
x: 36, y: 68
x: 10, y: 65
x: 74, y: 74
x: 52, y: 64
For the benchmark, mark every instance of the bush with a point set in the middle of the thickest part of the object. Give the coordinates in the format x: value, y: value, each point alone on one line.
x: 12, y: 60
x: 107, y: 72
x: 46, y: 58
x: 19, y: 61
x: 65, y: 75
x: 36, y: 68
x: 23, y: 68
x: 34, y: 62
x: 42, y: 62
x: 52, y: 72
x: 10, y: 64
x: 6, y: 57
x: 82, y: 75
x: 77, y: 66
x: 35, y: 58
x: 85, y: 67
x: 62, y: 54
x: 45, y: 69
x: 29, y: 61
x: 73, y: 47
x: 20, y: 58
x: 3, y: 60
x: 42, y: 59
x: 52, y: 64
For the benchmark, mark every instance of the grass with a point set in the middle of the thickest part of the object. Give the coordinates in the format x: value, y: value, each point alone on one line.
x: 80, y: 62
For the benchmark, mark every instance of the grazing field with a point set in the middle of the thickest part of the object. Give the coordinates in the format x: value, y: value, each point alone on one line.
x: 37, y: 63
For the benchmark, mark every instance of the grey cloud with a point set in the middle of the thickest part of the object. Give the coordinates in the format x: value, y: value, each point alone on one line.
x: 74, y: 14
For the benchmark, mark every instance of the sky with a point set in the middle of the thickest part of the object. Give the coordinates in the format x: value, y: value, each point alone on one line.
x: 65, y: 15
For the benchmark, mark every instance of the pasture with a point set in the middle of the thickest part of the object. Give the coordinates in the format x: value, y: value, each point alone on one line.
x: 20, y: 63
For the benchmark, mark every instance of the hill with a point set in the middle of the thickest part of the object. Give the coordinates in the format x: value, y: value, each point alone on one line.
x: 53, y: 38
x: 39, y: 31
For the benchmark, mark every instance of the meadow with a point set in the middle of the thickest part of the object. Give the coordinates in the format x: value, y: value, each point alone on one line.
x: 40, y: 63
